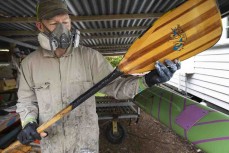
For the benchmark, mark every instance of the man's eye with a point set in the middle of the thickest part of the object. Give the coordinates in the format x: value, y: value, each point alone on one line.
x: 65, y: 22
x: 53, y: 23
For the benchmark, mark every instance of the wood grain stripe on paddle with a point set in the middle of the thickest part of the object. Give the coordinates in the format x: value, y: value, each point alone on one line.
x: 207, y: 41
x: 55, y: 118
x: 181, y: 14
x: 176, y: 14
x: 134, y: 54
x: 165, y: 38
x: 186, y: 55
x: 170, y: 50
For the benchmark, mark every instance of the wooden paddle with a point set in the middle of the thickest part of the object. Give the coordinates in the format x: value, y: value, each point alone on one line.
x: 179, y: 34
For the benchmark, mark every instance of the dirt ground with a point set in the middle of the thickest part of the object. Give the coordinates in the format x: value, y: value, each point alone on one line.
x: 147, y: 136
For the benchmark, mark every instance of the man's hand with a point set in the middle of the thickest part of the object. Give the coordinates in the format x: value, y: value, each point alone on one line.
x: 162, y: 73
x: 29, y: 134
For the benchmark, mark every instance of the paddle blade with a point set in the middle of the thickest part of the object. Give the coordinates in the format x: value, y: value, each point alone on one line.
x: 179, y: 34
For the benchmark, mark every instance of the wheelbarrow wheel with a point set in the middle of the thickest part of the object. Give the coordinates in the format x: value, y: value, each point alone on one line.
x: 118, y: 137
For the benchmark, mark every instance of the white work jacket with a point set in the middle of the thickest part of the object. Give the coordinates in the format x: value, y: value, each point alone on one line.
x: 48, y: 84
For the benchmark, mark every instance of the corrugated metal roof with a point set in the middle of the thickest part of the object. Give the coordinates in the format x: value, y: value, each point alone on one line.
x: 113, y: 24
x: 18, y: 8
x: 17, y: 26
x: 105, y: 7
x: 27, y: 8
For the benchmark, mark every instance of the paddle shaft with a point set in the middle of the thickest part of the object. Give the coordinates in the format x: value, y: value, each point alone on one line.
x: 108, y: 79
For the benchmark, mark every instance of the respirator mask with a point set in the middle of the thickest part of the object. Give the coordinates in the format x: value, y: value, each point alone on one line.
x: 60, y: 37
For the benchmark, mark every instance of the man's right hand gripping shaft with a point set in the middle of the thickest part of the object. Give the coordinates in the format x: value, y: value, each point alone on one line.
x: 29, y: 134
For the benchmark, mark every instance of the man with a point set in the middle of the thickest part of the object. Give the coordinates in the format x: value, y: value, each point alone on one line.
x: 57, y: 73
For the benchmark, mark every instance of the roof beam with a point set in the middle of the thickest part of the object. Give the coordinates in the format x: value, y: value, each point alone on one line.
x: 136, y: 28
x: 115, y: 17
x: 113, y: 54
x: 112, y: 50
x: 117, y: 53
x: 86, y: 18
x: 18, y: 33
x: 24, y: 32
x: 24, y: 39
x: 108, y: 37
x: 113, y: 46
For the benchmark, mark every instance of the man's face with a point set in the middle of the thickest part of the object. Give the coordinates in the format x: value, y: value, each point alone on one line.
x: 51, y: 23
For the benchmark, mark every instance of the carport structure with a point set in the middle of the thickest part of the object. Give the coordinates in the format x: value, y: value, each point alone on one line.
x: 109, y: 26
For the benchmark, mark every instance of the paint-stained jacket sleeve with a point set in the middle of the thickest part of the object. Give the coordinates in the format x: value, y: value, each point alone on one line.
x: 27, y: 102
x: 121, y: 88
